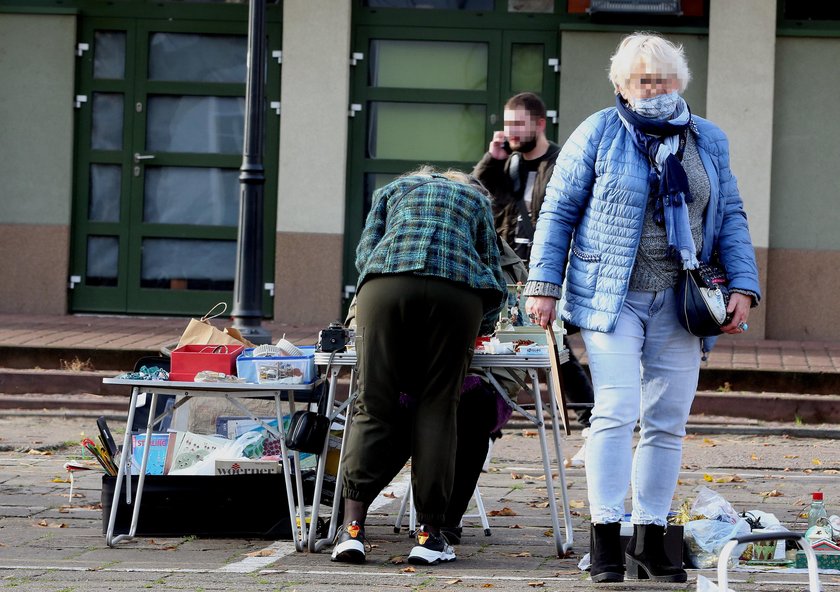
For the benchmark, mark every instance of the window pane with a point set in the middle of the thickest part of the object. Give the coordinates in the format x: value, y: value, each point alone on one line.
x: 544, y: 6
x: 109, y: 55
x: 197, y: 58
x: 104, y: 202
x: 424, y: 131
x: 103, y: 253
x: 526, y: 67
x: 107, y: 129
x: 191, y: 195
x: 207, y: 125
x: 438, y: 4
x: 186, y: 264
x: 428, y: 64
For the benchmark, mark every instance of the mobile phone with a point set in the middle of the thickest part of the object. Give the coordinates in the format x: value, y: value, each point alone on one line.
x: 506, y: 147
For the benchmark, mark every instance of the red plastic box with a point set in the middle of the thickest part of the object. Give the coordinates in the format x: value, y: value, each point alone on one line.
x: 189, y: 360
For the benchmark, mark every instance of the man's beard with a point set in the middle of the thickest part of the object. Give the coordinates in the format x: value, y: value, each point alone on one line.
x: 525, y: 146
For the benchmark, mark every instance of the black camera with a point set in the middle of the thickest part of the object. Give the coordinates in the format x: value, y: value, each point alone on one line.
x: 333, y: 339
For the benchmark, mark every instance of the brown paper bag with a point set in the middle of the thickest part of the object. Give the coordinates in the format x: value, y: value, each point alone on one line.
x: 201, y: 332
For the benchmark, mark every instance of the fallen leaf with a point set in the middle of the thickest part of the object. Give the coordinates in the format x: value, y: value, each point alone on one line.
x: 260, y: 553
x: 529, y: 433
x: 709, y: 442
x: 729, y: 479
x: 549, y: 532
x: 515, y: 476
x: 60, y: 480
x: 408, y: 569
x: 520, y: 554
x: 514, y: 526
x: 39, y: 452
x: 538, y: 504
x: 536, y: 584
x: 455, y: 581
x: 397, y: 560
x: 577, y: 504
x: 831, y: 472
x: 390, y: 494
x: 816, y: 462
x: 754, y: 457
x: 487, y: 585
x: 45, y: 524
x: 791, y: 456
x: 771, y: 493
x: 707, y: 477
x: 503, y: 512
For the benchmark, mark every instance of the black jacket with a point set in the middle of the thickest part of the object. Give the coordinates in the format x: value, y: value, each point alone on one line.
x: 495, y: 175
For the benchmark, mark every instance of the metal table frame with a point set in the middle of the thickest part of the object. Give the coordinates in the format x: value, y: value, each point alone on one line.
x: 232, y: 392
x: 485, y: 364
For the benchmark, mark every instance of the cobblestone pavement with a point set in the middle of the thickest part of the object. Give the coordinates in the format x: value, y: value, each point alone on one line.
x: 49, y: 542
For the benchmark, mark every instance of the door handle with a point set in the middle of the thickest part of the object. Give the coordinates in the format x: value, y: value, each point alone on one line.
x: 138, y: 157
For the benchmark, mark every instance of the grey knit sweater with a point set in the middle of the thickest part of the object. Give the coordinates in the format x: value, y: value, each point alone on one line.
x: 653, y: 269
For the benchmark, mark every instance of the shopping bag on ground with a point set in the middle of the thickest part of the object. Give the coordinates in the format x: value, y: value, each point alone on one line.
x: 202, y: 332
x: 706, y: 537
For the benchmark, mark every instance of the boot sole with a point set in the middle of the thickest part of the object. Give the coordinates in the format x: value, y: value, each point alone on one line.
x: 636, y: 570
x: 607, y: 576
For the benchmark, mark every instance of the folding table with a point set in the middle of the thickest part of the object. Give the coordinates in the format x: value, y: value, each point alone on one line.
x: 233, y: 392
x: 485, y: 364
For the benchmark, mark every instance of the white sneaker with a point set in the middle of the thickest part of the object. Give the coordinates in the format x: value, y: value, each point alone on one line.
x: 579, y: 459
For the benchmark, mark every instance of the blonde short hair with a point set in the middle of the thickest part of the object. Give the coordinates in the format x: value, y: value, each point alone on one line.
x: 451, y: 174
x: 660, y: 54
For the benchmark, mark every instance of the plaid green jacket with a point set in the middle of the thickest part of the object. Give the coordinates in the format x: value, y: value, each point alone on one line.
x: 442, y: 228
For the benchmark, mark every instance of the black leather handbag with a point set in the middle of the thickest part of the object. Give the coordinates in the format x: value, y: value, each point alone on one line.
x: 702, y: 298
x: 308, y: 430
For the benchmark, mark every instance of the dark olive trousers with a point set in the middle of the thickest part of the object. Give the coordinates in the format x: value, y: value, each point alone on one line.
x: 414, y: 340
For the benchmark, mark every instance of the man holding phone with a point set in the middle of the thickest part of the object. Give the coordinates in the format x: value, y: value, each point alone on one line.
x: 516, y: 170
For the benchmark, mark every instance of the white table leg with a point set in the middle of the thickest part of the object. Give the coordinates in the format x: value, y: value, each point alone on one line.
x: 561, y: 467
x: 339, y: 473
x: 110, y: 540
x: 549, y: 482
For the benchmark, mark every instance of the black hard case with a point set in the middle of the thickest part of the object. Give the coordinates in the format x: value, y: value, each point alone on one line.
x: 223, y: 506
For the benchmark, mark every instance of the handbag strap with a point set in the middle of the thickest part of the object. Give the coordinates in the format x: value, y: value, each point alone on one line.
x: 322, y: 398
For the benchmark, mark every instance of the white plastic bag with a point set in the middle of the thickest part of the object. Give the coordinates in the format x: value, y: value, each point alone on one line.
x: 232, y: 451
x: 706, y: 537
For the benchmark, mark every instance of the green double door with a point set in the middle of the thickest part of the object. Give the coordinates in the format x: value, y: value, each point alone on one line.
x: 434, y: 96
x: 161, y: 111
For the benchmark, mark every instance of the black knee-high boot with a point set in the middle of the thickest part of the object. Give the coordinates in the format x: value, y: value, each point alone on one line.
x: 646, y: 557
x: 605, y: 553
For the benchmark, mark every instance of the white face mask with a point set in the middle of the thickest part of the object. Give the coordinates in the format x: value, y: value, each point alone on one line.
x: 658, y: 107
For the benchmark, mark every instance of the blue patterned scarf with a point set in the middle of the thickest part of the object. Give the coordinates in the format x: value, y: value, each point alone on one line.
x: 663, y: 143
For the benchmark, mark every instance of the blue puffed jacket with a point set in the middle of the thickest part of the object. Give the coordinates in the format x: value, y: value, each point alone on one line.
x: 595, y: 204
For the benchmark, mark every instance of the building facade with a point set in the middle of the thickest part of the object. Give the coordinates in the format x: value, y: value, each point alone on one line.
x: 122, y: 129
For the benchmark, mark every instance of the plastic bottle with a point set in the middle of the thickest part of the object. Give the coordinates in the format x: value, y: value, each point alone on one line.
x: 817, y: 515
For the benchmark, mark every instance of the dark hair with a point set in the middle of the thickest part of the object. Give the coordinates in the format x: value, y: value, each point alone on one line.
x: 528, y: 101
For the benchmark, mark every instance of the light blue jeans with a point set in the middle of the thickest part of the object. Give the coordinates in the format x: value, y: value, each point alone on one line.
x: 646, y: 371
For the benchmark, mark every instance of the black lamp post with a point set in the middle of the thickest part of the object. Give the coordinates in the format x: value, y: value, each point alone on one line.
x: 247, y: 285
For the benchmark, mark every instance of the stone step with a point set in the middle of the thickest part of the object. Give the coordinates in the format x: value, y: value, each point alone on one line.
x: 793, y: 408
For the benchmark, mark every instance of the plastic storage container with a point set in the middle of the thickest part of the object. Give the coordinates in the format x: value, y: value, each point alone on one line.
x: 189, y: 360
x: 277, y: 369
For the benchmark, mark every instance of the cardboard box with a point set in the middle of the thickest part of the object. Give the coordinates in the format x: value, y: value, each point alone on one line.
x: 825, y: 560
x: 189, y: 360
x: 247, y: 467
